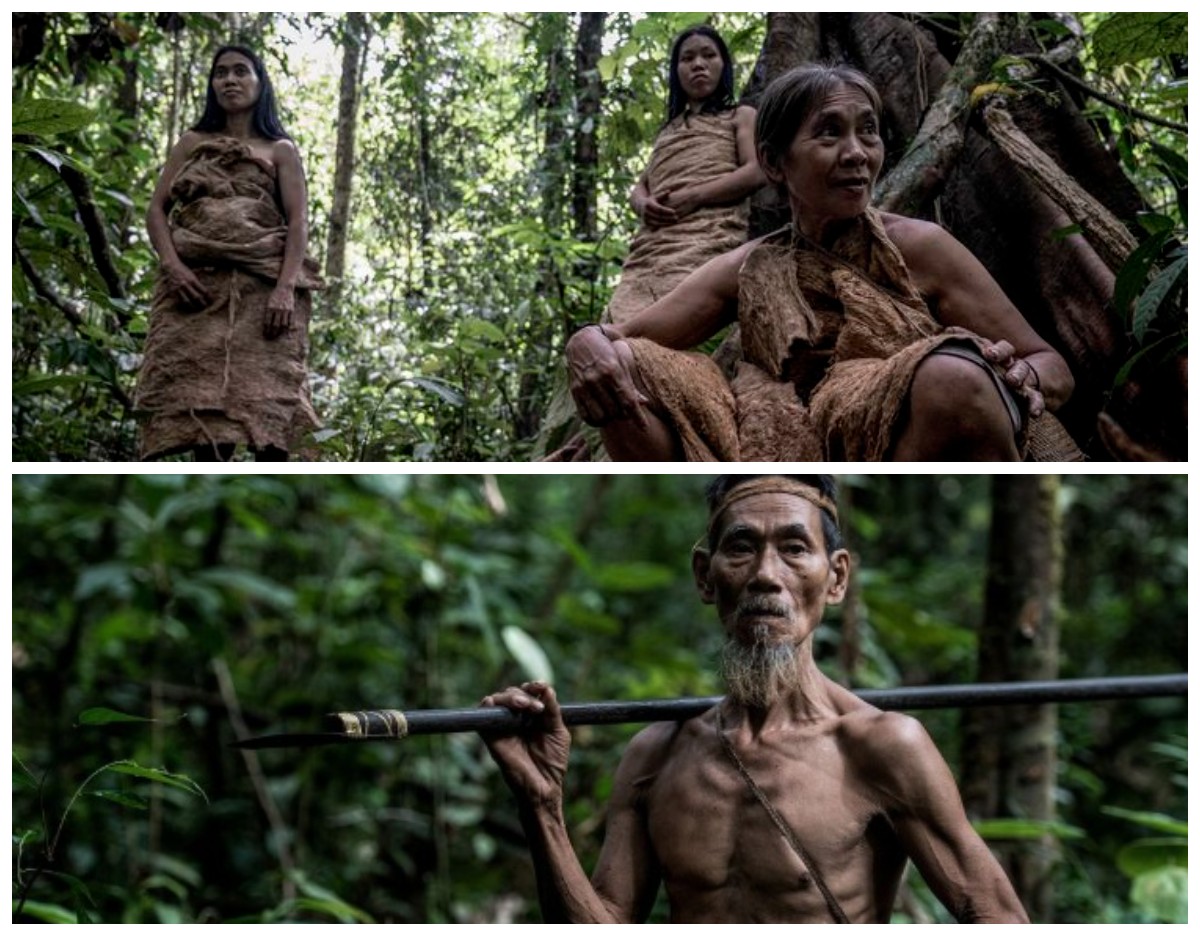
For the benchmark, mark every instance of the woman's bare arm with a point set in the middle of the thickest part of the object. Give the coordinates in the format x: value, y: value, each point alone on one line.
x: 962, y: 292
x: 180, y: 279
x: 282, y: 301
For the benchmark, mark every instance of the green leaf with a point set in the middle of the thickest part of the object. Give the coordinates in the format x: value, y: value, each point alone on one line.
x: 249, y: 585
x: 158, y: 775
x: 1145, y: 310
x: 481, y: 328
x: 132, y: 800
x: 633, y: 576
x: 1131, y: 37
x: 1151, y: 854
x: 106, y: 716
x: 1151, y: 820
x: 44, y: 383
x: 1162, y: 894
x: 1024, y: 829
x: 47, y: 913
x: 1132, y: 278
x: 528, y: 654
x: 446, y: 391
x: 49, y: 116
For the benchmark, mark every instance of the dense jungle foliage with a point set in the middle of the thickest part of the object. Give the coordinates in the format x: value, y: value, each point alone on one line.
x: 488, y: 211
x: 158, y: 617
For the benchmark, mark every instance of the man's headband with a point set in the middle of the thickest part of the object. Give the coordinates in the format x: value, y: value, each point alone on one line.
x: 772, y: 484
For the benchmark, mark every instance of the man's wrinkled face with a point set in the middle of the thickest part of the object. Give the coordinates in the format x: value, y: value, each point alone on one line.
x: 769, y: 574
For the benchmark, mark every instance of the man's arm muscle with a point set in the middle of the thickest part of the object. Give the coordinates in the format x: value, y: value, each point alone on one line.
x: 923, y: 804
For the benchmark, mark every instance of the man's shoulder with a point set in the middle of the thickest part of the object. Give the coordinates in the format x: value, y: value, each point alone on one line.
x: 893, y: 753
x: 885, y: 743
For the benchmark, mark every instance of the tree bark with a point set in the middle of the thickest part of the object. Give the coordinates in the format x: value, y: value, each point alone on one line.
x: 588, y: 92
x: 354, y: 44
x: 1009, y: 755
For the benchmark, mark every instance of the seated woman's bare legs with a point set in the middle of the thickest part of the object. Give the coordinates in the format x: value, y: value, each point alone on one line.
x: 651, y: 440
x: 955, y: 413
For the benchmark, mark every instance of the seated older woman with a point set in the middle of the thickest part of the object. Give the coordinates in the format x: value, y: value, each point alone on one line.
x: 865, y: 335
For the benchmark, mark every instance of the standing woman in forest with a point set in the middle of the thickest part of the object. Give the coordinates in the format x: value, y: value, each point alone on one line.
x: 692, y: 197
x: 225, y: 359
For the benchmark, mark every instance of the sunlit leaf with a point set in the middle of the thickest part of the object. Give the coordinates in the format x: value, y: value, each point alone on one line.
x: 47, y: 117
x: 1024, y: 829
x: 1131, y: 37
x: 1162, y: 894
x: 528, y: 654
x: 1150, y: 820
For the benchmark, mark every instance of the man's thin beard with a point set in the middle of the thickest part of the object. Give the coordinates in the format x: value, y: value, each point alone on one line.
x: 759, y: 674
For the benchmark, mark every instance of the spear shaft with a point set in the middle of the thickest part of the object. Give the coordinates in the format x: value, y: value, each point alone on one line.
x: 393, y: 725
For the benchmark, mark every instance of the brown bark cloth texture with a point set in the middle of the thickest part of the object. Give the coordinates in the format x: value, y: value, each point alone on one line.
x: 830, y: 339
x: 687, y: 152
x: 210, y: 377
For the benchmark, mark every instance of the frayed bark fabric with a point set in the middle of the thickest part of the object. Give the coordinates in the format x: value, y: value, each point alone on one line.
x: 687, y: 152
x: 830, y: 340
x: 210, y: 377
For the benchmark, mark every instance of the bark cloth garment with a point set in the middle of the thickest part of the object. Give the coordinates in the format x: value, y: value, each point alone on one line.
x: 687, y: 152
x: 830, y: 342
x: 209, y: 377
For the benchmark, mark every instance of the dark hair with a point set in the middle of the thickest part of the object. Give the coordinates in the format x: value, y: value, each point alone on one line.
x: 722, y: 97
x: 722, y: 485
x: 265, y: 119
x: 795, y: 94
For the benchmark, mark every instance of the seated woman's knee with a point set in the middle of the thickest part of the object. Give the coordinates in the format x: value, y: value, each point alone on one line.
x: 956, y: 390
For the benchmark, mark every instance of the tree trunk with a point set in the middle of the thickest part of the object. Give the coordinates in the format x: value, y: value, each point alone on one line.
x: 1008, y: 754
x: 588, y: 92
x: 941, y: 165
x: 354, y: 45
x: 553, y: 36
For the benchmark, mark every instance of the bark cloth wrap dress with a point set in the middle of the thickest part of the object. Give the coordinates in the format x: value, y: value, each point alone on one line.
x: 830, y: 341
x: 209, y: 377
x: 686, y: 152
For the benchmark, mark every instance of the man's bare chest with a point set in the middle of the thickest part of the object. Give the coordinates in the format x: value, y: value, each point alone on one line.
x: 710, y: 831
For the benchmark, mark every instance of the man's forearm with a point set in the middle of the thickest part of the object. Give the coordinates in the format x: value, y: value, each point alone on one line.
x: 564, y: 890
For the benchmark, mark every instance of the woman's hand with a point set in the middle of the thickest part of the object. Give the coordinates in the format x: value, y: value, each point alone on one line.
x: 601, y: 373
x: 1019, y: 375
x: 655, y: 212
x: 280, y: 305
x: 683, y: 201
x: 534, y: 762
x: 182, y: 282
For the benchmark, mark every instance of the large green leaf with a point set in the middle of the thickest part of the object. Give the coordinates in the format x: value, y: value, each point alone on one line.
x: 49, y: 116
x: 1131, y: 37
x: 1151, y: 820
x: 1151, y: 854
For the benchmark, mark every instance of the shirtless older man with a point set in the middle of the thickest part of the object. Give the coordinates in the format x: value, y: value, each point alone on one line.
x: 791, y: 801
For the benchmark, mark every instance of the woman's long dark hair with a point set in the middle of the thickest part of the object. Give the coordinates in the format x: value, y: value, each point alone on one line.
x: 265, y: 119
x: 722, y: 97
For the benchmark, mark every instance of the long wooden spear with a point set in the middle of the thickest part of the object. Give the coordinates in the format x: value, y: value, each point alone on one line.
x: 394, y: 725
